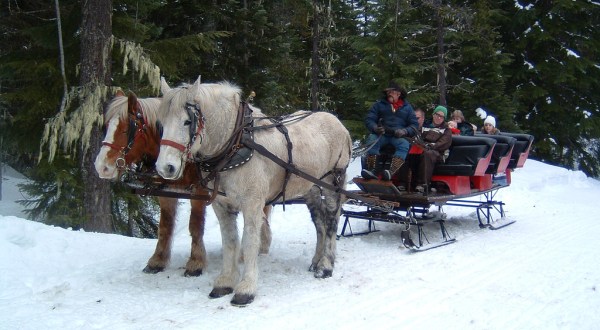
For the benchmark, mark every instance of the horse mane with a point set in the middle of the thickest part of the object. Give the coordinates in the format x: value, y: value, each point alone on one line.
x: 207, y: 94
x: 117, y: 108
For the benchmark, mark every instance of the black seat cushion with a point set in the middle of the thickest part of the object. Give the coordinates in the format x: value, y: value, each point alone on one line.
x: 464, y: 155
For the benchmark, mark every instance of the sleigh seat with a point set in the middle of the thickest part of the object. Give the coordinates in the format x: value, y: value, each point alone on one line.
x: 469, y: 156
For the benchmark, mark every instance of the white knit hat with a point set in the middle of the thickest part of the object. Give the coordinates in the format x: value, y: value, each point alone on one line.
x: 490, y: 120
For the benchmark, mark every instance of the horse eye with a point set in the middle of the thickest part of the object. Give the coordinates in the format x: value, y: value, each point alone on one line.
x: 187, y: 123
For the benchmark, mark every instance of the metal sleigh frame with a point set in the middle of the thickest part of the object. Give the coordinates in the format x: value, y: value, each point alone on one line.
x: 417, y: 214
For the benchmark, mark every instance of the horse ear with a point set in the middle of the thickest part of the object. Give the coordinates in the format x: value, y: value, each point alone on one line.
x: 197, y: 83
x: 131, y: 103
x: 164, y: 87
x: 119, y: 93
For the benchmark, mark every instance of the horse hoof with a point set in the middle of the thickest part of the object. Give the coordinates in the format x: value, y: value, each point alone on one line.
x: 323, y: 273
x: 220, y: 292
x: 242, y: 300
x: 192, y: 273
x: 153, y: 270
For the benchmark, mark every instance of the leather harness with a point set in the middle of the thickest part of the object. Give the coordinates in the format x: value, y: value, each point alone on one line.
x: 241, y: 146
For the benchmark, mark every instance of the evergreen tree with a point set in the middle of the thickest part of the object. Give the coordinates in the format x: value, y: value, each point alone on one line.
x: 480, y: 74
x: 555, y: 77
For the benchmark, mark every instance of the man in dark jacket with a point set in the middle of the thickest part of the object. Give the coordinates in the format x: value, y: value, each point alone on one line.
x: 392, y: 118
x: 435, y: 139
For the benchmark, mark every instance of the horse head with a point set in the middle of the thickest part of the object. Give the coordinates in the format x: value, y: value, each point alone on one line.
x: 130, y: 134
x: 185, y: 112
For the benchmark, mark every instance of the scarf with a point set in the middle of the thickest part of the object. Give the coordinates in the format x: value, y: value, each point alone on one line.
x: 396, y: 105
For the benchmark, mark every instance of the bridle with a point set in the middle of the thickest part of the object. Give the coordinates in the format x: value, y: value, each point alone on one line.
x: 196, y: 123
x: 136, y: 130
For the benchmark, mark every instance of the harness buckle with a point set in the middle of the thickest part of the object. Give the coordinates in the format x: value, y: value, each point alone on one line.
x: 120, y: 162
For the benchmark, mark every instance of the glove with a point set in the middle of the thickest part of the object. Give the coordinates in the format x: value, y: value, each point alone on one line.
x: 379, y: 130
x: 400, y: 133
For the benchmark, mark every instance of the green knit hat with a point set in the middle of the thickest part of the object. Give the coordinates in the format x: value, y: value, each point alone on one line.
x: 443, y: 109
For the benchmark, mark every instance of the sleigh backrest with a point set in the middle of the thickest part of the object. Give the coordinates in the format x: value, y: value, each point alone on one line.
x: 502, y: 152
x: 468, y: 156
x: 521, y: 150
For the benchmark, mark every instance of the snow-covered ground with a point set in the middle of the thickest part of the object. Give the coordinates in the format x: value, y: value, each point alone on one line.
x: 543, y: 272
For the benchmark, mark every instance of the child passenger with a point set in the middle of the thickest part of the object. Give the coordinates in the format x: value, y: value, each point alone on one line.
x: 453, y: 127
x: 489, y: 126
x: 465, y: 127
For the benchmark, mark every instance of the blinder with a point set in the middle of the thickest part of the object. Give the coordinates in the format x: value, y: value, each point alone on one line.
x: 194, y: 115
x: 136, y: 124
x: 195, y: 122
x: 159, y: 128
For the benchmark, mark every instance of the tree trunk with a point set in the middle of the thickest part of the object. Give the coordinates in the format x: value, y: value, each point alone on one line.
x: 441, y: 66
x: 315, y: 60
x: 96, y: 32
x: 63, y: 102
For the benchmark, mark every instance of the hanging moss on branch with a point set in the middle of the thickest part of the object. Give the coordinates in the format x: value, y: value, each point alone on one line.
x: 134, y: 54
x: 71, y: 128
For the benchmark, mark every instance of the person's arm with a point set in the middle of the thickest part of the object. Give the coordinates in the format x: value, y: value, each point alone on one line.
x: 413, y: 126
x: 372, y: 119
x: 444, y: 142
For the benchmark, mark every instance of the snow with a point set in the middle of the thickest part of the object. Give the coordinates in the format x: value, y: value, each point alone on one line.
x: 541, y: 272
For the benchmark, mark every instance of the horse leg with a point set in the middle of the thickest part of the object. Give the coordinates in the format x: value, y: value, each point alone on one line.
x: 197, y: 260
x: 265, y: 231
x: 162, y: 253
x: 229, y: 275
x: 324, y: 207
x: 245, y: 290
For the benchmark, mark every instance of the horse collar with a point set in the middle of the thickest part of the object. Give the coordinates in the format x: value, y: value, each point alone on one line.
x: 234, y: 154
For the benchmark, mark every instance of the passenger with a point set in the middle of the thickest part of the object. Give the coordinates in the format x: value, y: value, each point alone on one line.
x: 390, y: 119
x: 405, y: 174
x: 435, y: 139
x: 420, y: 114
x: 489, y: 126
x: 453, y: 127
x: 465, y: 127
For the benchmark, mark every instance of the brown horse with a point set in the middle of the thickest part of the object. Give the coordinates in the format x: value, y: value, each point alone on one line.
x: 131, y: 137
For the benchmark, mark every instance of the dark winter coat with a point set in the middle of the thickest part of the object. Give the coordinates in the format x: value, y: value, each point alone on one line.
x: 381, y: 114
x: 465, y: 128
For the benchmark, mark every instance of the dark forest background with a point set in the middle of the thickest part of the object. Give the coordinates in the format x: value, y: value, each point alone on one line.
x: 534, y: 65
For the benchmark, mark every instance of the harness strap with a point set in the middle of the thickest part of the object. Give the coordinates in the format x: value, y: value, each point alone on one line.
x: 262, y: 150
x: 288, y: 174
x: 233, y: 145
x: 173, y: 144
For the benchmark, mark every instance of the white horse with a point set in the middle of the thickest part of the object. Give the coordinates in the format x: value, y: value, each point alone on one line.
x: 200, y: 120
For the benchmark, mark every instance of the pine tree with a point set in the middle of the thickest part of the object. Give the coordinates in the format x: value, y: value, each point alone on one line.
x: 480, y: 74
x: 555, y: 77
